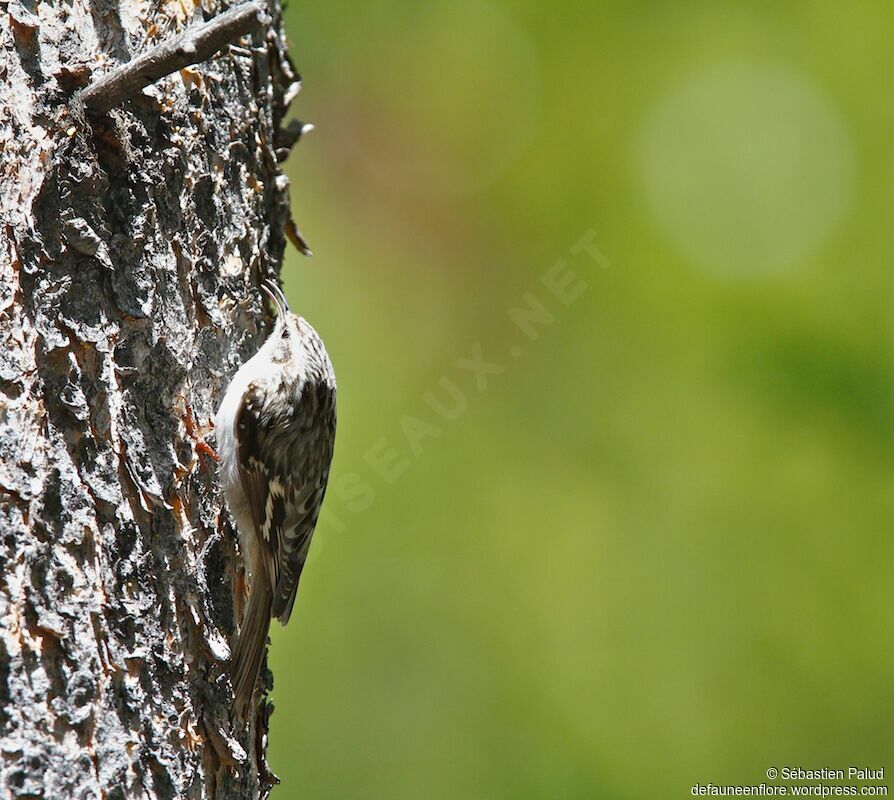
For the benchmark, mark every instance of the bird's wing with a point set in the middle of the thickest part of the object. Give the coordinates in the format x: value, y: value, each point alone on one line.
x: 314, y: 419
x: 261, y: 488
x: 297, y: 544
x: 284, y: 475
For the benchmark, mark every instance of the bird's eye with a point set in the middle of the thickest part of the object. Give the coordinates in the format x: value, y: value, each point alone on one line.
x: 286, y: 332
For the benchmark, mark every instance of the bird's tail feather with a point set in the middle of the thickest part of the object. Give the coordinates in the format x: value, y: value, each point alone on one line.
x: 251, y: 644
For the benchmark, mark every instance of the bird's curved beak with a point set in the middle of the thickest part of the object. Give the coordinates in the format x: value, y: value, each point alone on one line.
x: 272, y: 290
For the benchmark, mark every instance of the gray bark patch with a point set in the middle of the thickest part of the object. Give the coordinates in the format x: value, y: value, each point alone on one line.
x: 131, y: 248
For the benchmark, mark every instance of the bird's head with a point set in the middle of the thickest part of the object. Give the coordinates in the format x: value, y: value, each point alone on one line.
x: 289, y: 330
x: 293, y: 344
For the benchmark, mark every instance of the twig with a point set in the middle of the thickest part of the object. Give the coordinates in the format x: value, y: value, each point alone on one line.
x: 287, y: 137
x: 197, y: 43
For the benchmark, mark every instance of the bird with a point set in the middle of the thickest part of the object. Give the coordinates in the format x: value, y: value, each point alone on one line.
x: 275, y: 434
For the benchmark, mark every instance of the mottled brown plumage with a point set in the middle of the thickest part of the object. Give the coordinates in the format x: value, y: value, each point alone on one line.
x: 275, y: 433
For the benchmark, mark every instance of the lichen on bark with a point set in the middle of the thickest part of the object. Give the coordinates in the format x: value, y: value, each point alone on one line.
x: 131, y: 248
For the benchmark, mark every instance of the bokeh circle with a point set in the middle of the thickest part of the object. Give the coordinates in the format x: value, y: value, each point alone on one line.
x: 749, y: 169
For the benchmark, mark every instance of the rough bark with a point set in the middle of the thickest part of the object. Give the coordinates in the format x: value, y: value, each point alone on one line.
x: 131, y: 247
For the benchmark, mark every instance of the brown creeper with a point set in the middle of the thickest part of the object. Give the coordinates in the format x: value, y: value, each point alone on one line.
x: 275, y: 432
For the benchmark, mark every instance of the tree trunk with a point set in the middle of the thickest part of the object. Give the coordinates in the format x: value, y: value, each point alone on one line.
x: 132, y: 243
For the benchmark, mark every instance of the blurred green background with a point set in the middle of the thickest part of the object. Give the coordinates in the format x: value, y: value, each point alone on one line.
x: 655, y: 549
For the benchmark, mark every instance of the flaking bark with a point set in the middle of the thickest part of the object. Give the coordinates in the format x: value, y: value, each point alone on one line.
x: 131, y: 248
